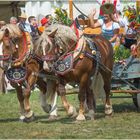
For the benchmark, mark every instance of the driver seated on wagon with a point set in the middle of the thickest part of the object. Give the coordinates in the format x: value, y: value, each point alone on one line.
x: 110, y: 29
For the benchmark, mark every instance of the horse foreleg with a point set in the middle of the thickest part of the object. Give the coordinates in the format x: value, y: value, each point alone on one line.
x: 71, y: 111
x: 27, y: 91
x: 82, y: 97
x: 21, y: 101
x: 107, y: 87
x: 48, y: 97
x: 91, y: 103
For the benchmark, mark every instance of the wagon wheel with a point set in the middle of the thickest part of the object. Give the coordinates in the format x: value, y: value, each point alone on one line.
x: 136, y: 97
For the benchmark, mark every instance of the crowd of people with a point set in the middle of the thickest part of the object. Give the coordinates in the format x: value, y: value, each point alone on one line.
x: 29, y: 24
x: 111, y: 23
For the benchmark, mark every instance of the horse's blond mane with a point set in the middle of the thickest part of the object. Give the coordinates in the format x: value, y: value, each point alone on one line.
x: 64, y: 37
x: 42, y: 42
x: 14, y: 30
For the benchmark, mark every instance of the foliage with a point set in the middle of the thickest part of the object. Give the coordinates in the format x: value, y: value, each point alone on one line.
x: 121, y: 53
x: 132, y: 16
x: 61, y: 16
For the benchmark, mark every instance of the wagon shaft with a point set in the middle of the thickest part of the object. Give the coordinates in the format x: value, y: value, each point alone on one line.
x: 126, y: 91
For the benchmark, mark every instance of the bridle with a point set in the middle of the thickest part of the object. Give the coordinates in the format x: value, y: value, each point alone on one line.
x: 10, y: 57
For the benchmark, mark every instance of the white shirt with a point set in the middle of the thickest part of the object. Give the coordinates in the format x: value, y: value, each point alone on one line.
x: 108, y: 32
x: 114, y: 24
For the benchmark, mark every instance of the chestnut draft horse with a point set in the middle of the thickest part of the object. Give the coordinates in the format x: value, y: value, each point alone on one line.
x: 95, y: 57
x: 21, y: 65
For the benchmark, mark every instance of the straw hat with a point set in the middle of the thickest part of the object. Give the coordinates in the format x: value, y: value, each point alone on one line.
x: 108, y: 8
x: 23, y: 15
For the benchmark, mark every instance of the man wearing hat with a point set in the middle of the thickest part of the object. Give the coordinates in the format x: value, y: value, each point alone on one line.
x: 25, y: 27
x: 22, y: 23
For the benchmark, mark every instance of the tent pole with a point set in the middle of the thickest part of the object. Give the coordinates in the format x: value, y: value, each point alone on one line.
x: 70, y: 9
x: 138, y: 6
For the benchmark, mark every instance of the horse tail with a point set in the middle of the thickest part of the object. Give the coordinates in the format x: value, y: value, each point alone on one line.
x: 97, y: 85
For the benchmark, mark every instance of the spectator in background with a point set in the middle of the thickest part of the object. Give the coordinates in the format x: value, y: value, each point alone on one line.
x: 23, y: 25
x: 45, y: 22
x: 13, y: 20
x: 2, y: 23
x: 34, y: 26
x: 26, y: 28
x: 123, y: 22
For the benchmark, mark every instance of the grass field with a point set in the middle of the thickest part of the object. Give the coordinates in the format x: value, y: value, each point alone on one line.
x: 123, y: 124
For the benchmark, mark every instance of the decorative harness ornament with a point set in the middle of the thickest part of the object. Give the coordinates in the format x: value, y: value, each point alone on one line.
x: 64, y: 65
x: 16, y: 75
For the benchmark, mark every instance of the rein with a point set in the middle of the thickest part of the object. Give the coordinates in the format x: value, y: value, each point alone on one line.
x: 25, y: 49
x: 79, y: 10
x: 5, y: 57
x: 69, y: 49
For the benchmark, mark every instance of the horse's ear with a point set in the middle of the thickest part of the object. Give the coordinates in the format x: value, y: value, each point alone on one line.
x: 52, y: 34
x: 6, y: 32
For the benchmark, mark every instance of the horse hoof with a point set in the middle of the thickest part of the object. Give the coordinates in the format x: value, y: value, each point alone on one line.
x: 72, y: 112
x: 108, y: 110
x: 52, y: 118
x: 27, y: 120
x: 21, y: 119
x: 90, y: 115
x: 29, y: 117
x: 47, y: 108
x: 80, y: 117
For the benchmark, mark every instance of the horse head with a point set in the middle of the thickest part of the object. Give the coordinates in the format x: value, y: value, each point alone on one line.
x: 12, y: 38
x: 49, y: 49
x: 56, y: 41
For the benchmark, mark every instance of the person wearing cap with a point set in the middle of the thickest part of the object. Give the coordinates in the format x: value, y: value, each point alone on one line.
x: 45, y: 22
x: 110, y: 29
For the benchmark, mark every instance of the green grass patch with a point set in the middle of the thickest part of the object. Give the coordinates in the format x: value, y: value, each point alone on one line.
x: 124, y: 123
